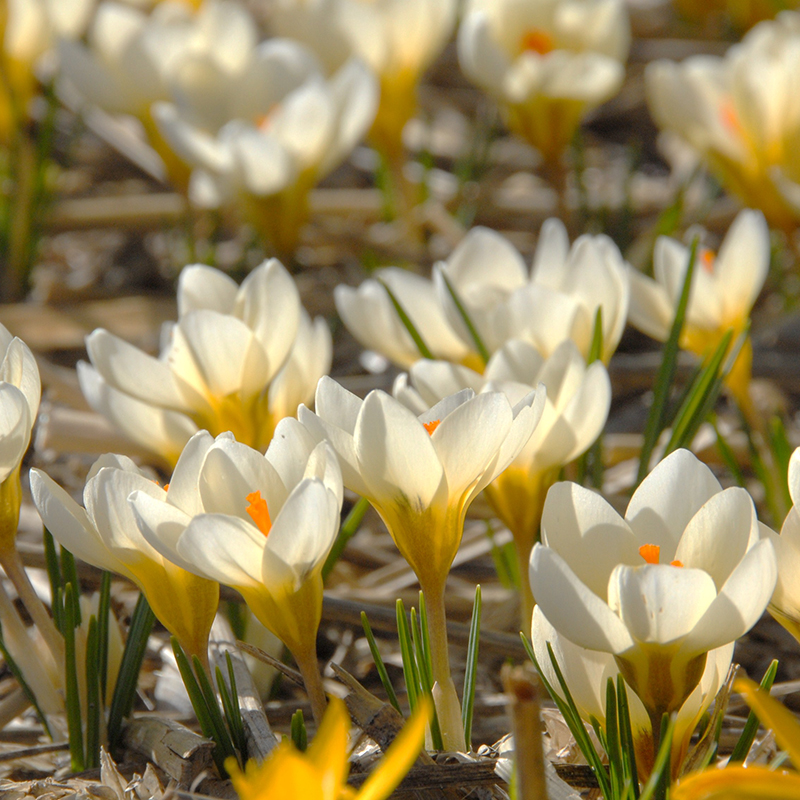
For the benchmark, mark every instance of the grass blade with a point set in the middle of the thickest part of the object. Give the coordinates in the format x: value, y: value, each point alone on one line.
x: 54, y: 576
x: 72, y: 698
x: 407, y: 654
x: 349, y: 528
x: 379, y: 665
x: 666, y: 370
x: 750, y: 729
x: 70, y: 573
x: 297, y: 731
x: 132, y: 657
x: 93, y: 702
x: 626, y: 737
x: 425, y: 672
x: 221, y: 733
x: 423, y: 348
x: 103, y: 614
x: 468, y: 701
x: 480, y: 345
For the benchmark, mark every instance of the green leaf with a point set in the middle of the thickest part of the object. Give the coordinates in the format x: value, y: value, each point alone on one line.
x: 72, y: 694
x: 221, y: 734
x: 379, y: 665
x: 657, y: 784
x: 297, y: 731
x: 132, y: 657
x: 94, y: 704
x: 468, y: 706
x: 666, y: 371
x: 425, y: 673
x: 103, y: 615
x: 423, y: 348
x: 349, y: 528
x: 480, y: 346
x: 54, y: 576
x: 407, y: 653
x: 626, y: 737
x: 70, y: 573
x: 750, y: 729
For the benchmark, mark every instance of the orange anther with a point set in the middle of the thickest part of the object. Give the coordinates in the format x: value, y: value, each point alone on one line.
x: 431, y: 426
x: 537, y: 40
x: 259, y: 512
x: 650, y: 553
x: 676, y: 563
x: 707, y: 259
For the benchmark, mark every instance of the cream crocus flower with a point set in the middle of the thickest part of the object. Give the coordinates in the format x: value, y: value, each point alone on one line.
x: 548, y: 63
x: 134, y: 59
x: 237, y: 359
x: 270, y: 135
x: 740, y: 112
x: 268, y: 524
x: 685, y: 572
x: 104, y: 532
x: 785, y: 603
x: 586, y: 673
x: 557, y: 300
x: 370, y: 316
x: 421, y: 474
x: 574, y: 413
x: 724, y: 288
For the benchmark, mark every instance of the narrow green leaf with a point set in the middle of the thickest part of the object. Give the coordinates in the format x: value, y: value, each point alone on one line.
x: 612, y: 744
x: 349, y: 528
x: 298, y: 732
x: 94, y: 705
x: 423, y: 348
x: 666, y: 371
x: 221, y: 734
x: 132, y: 657
x: 658, y: 783
x: 72, y: 695
x: 379, y: 665
x: 54, y: 576
x: 407, y: 654
x: 425, y: 674
x: 426, y: 635
x: 782, y: 452
x: 480, y: 345
x: 626, y: 737
x: 70, y: 573
x: 505, y: 560
x: 750, y: 729
x: 103, y: 614
x: 236, y: 717
x: 17, y: 673
x: 468, y: 702
x: 230, y: 709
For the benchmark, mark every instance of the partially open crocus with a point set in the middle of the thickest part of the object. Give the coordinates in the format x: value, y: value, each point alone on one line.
x: 547, y: 63
x: 685, y: 572
x: 267, y: 525
x: 785, y: 603
x: 104, y: 532
x: 724, y: 287
x: 739, y: 113
x: 237, y: 359
x: 586, y: 673
x: 321, y: 772
x: 574, y: 413
x: 421, y: 474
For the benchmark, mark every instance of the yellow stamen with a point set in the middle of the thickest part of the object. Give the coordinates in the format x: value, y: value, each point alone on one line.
x: 538, y: 41
x: 259, y: 512
x: 431, y: 426
x: 650, y: 553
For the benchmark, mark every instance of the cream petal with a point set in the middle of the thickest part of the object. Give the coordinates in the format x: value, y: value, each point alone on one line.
x: 205, y: 287
x: 794, y: 477
x: 193, y: 145
x: 573, y: 609
x: 397, y: 459
x: 527, y: 414
x: 15, y: 428
x: 336, y: 405
x: 481, y: 60
x: 231, y: 471
x: 68, y: 522
x: 587, y: 532
x: 469, y: 439
x: 740, y: 603
x: 658, y: 603
x: 289, y: 451
x: 650, y: 310
x: 324, y: 466
x: 222, y: 548
x: 517, y: 361
x: 435, y: 380
x: 161, y: 525
x: 719, y: 534
x: 551, y: 254
x: 20, y: 369
x: 182, y: 492
x: 786, y: 597
x: 480, y: 247
x: 668, y: 498
x: 264, y: 165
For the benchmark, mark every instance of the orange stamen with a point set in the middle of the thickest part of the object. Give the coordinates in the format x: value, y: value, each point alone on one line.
x: 650, y: 553
x: 431, y: 426
x: 166, y: 487
x: 259, y: 512
x: 707, y: 259
x: 730, y: 117
x: 538, y: 41
x: 676, y: 563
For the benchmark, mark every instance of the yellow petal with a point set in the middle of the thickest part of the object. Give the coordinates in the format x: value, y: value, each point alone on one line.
x: 738, y: 783
x: 328, y: 751
x: 399, y: 757
x: 773, y: 715
x: 284, y: 774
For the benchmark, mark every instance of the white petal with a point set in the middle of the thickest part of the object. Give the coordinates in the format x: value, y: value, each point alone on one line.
x: 15, y: 428
x: 200, y: 286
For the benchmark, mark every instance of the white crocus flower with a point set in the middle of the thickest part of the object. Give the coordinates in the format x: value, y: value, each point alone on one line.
x: 740, y: 112
x: 685, y: 572
x: 548, y: 63
x: 370, y: 316
x: 724, y: 288
x: 574, y: 413
x: 397, y: 39
x: 586, y: 673
x: 135, y: 59
x: 421, y: 474
x: 558, y: 300
x: 265, y: 138
x: 268, y: 525
x: 785, y: 603
x: 237, y: 359
x: 104, y: 532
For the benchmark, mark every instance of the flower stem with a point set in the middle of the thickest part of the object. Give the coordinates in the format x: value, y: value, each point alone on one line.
x: 309, y: 669
x: 448, y: 709
x: 14, y: 569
